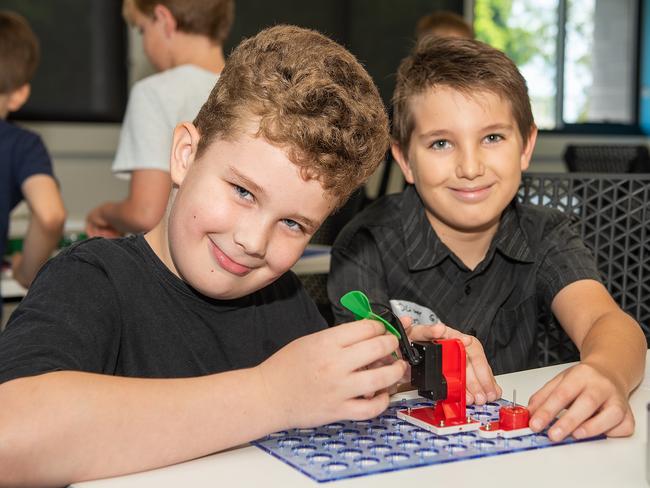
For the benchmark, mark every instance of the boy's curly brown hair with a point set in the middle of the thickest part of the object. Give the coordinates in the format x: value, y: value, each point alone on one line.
x: 310, y: 96
x: 19, y: 52
x: 210, y: 18
x: 465, y: 65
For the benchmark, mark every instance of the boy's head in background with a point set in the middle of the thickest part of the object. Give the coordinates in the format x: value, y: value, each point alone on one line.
x: 293, y: 126
x: 19, y: 56
x: 443, y: 24
x: 158, y: 20
x: 463, y: 131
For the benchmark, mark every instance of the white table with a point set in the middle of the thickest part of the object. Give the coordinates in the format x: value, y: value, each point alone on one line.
x: 604, y: 463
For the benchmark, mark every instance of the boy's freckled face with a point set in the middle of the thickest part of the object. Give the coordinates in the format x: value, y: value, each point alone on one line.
x: 242, y: 217
x: 465, y: 158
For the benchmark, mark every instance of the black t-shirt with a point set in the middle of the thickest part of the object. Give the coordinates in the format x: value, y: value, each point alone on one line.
x: 112, y: 307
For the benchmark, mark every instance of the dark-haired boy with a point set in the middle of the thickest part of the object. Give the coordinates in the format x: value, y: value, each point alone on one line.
x: 456, y: 248
x: 129, y: 354
x: 25, y: 165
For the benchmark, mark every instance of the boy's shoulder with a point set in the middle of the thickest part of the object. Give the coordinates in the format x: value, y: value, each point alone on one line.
x: 385, y: 214
x: 12, y: 135
x: 544, y: 225
x: 105, y: 253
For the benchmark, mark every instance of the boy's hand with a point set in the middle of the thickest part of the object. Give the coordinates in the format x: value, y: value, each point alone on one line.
x: 98, y: 226
x: 323, y: 377
x: 594, y: 403
x: 480, y: 383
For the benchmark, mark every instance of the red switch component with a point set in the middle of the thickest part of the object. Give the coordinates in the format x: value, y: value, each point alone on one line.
x: 513, y: 417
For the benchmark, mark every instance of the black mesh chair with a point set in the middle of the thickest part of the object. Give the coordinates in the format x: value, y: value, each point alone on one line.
x: 616, y: 158
x: 612, y: 214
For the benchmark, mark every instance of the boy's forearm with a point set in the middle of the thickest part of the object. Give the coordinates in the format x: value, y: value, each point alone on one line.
x: 39, y: 243
x: 621, y: 354
x: 68, y: 426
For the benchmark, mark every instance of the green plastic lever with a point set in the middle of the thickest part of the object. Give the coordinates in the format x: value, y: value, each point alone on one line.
x: 357, y: 303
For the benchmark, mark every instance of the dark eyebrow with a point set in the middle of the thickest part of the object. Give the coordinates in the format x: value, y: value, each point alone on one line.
x: 247, y: 182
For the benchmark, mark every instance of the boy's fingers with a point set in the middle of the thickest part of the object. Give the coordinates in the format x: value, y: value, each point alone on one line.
x: 353, y: 332
x: 474, y: 386
x: 371, y: 381
x: 542, y: 394
x: 365, y: 408
x: 608, y: 420
x: 625, y: 428
x: 562, y: 397
x: 582, y: 408
x: 369, y: 351
x: 483, y: 373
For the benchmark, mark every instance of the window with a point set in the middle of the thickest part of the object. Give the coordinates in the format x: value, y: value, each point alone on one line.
x: 579, y: 57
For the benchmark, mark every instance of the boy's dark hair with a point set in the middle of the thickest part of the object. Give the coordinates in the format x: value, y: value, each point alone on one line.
x: 443, y: 24
x: 465, y: 65
x: 19, y: 52
x: 211, y: 18
x: 310, y: 96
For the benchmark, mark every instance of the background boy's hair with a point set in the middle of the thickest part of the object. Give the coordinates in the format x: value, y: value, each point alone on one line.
x: 465, y: 65
x: 310, y: 96
x: 19, y: 52
x: 211, y: 18
x: 443, y: 24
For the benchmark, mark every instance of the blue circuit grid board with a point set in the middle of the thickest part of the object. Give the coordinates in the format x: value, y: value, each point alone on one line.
x: 350, y: 449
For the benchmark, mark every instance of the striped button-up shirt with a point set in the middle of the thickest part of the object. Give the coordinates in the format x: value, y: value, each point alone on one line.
x: 391, y: 253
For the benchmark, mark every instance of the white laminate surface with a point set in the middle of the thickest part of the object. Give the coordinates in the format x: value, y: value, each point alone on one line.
x: 603, y: 463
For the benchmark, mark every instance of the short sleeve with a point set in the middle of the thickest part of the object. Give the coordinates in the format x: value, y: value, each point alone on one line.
x: 356, y: 265
x: 69, y: 320
x: 146, y: 136
x: 30, y: 158
x: 567, y: 260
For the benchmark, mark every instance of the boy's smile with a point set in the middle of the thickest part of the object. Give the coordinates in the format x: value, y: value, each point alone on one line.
x: 465, y: 158
x: 242, y: 214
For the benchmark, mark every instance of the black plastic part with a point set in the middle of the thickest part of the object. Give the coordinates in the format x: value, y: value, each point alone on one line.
x: 427, y: 376
x: 409, y: 353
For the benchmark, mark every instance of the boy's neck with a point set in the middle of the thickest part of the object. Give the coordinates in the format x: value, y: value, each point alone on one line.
x: 470, y: 247
x: 199, y: 51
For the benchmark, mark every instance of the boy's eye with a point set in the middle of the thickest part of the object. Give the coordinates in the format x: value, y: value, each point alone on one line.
x: 494, y: 138
x: 292, y: 225
x: 440, y: 144
x: 243, y: 193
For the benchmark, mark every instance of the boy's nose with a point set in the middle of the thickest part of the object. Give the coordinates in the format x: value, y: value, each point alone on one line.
x: 469, y: 164
x: 253, y: 238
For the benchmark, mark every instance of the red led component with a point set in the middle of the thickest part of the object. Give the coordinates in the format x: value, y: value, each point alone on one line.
x: 513, y: 417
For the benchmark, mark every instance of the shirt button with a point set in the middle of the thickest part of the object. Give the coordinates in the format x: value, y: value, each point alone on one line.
x: 468, y: 289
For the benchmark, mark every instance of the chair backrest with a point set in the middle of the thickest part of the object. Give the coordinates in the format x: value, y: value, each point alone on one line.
x: 612, y: 214
x: 614, y: 158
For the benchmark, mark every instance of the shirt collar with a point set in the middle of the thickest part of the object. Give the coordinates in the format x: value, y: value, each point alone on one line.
x: 424, y: 249
x: 510, y: 238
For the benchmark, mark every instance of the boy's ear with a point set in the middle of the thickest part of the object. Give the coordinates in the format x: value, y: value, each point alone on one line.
x: 165, y: 16
x: 529, y: 146
x: 184, y: 146
x: 18, y: 97
x: 401, y: 159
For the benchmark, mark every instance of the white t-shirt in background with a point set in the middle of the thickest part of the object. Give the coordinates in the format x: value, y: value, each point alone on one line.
x: 156, y: 104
